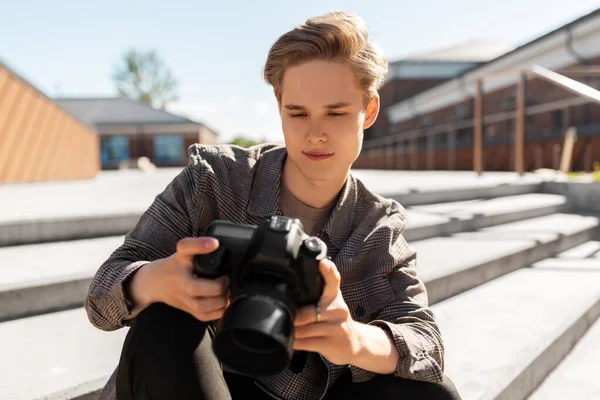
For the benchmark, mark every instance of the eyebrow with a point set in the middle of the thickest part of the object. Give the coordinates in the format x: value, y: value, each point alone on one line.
x: 333, y: 106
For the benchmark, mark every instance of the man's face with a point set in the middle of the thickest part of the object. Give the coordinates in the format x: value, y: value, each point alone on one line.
x: 323, y: 116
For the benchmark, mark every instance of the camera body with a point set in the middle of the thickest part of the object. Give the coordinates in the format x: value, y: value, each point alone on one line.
x: 273, y: 269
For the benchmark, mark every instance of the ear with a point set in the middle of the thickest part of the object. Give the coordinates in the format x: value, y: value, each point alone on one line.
x: 372, y: 112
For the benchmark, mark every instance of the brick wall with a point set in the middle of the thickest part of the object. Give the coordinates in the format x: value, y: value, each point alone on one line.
x: 393, y: 92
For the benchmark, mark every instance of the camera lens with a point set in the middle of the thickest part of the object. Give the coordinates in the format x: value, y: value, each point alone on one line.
x: 255, y: 336
x: 252, y: 341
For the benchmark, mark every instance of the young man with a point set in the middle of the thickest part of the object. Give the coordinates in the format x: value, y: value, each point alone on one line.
x: 372, y: 333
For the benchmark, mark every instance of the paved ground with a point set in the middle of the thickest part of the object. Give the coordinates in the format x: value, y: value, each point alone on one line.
x: 133, y: 191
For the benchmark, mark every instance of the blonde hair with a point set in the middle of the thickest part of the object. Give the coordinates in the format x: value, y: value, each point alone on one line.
x: 337, y: 37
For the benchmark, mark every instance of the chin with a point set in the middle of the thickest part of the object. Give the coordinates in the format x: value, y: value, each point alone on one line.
x: 317, y: 171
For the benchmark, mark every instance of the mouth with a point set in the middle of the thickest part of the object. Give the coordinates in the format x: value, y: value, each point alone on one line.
x: 317, y: 155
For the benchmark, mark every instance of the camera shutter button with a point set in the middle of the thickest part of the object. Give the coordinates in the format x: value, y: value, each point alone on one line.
x: 313, y: 246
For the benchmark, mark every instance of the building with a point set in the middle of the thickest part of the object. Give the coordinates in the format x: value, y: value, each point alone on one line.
x: 420, y: 72
x: 129, y: 129
x: 39, y: 140
x: 529, y: 96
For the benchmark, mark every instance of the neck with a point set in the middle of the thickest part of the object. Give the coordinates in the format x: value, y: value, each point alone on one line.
x: 316, y: 194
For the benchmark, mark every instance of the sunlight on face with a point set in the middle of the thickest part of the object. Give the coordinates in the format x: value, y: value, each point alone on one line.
x: 323, y: 118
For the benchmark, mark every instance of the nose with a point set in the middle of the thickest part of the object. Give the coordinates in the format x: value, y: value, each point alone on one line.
x: 316, y: 134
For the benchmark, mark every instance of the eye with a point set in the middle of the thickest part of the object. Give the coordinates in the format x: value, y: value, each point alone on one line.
x: 298, y: 115
x: 337, y: 114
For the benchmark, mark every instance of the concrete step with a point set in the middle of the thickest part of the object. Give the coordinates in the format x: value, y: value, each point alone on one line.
x: 61, y: 354
x: 112, y: 203
x: 504, y: 337
x: 585, y: 250
x: 441, y: 219
x: 58, y: 229
x: 451, y: 265
x: 108, y: 205
x: 426, y: 187
x: 576, y: 377
x: 424, y: 221
x: 47, y: 277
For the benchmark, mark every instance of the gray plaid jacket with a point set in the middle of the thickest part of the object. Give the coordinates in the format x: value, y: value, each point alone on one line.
x: 364, y: 236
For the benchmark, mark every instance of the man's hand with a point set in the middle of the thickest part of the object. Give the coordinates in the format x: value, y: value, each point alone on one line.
x: 172, y: 281
x: 337, y: 335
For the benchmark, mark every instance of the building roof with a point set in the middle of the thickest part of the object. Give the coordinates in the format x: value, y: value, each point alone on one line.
x: 562, y: 46
x: 566, y: 27
x: 118, y: 111
x: 467, y: 51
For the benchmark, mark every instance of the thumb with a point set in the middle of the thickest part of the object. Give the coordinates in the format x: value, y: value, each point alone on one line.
x: 331, y: 278
x: 188, y: 247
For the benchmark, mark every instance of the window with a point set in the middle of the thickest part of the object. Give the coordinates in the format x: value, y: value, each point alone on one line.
x: 169, y: 149
x: 113, y: 150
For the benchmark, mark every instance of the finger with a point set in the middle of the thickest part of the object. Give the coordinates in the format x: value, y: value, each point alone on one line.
x: 210, y: 316
x: 204, y: 287
x: 329, y: 313
x: 190, y: 246
x: 205, y: 305
x: 331, y: 277
x: 307, y: 315
x: 319, y: 329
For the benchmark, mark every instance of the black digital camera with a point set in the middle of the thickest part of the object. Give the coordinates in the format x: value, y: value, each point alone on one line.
x: 273, y: 269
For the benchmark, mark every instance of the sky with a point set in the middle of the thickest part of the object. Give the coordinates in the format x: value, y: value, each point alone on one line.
x: 217, y: 49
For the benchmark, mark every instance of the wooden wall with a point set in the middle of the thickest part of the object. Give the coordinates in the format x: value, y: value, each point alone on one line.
x: 39, y: 141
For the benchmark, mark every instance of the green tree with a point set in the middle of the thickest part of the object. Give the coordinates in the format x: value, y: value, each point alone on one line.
x: 245, y: 142
x: 144, y: 76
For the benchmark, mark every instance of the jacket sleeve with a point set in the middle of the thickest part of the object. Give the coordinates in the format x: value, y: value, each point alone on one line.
x: 407, y: 319
x: 169, y: 218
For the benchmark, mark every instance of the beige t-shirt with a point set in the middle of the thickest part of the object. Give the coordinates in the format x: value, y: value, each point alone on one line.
x: 313, y: 219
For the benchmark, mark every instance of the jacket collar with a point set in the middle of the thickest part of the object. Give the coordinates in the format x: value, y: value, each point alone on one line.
x: 264, y: 197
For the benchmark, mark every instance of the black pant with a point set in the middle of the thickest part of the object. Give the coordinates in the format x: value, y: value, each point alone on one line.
x: 168, y: 354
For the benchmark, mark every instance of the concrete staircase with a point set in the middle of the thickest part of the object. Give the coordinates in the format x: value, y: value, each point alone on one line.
x: 513, y: 276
